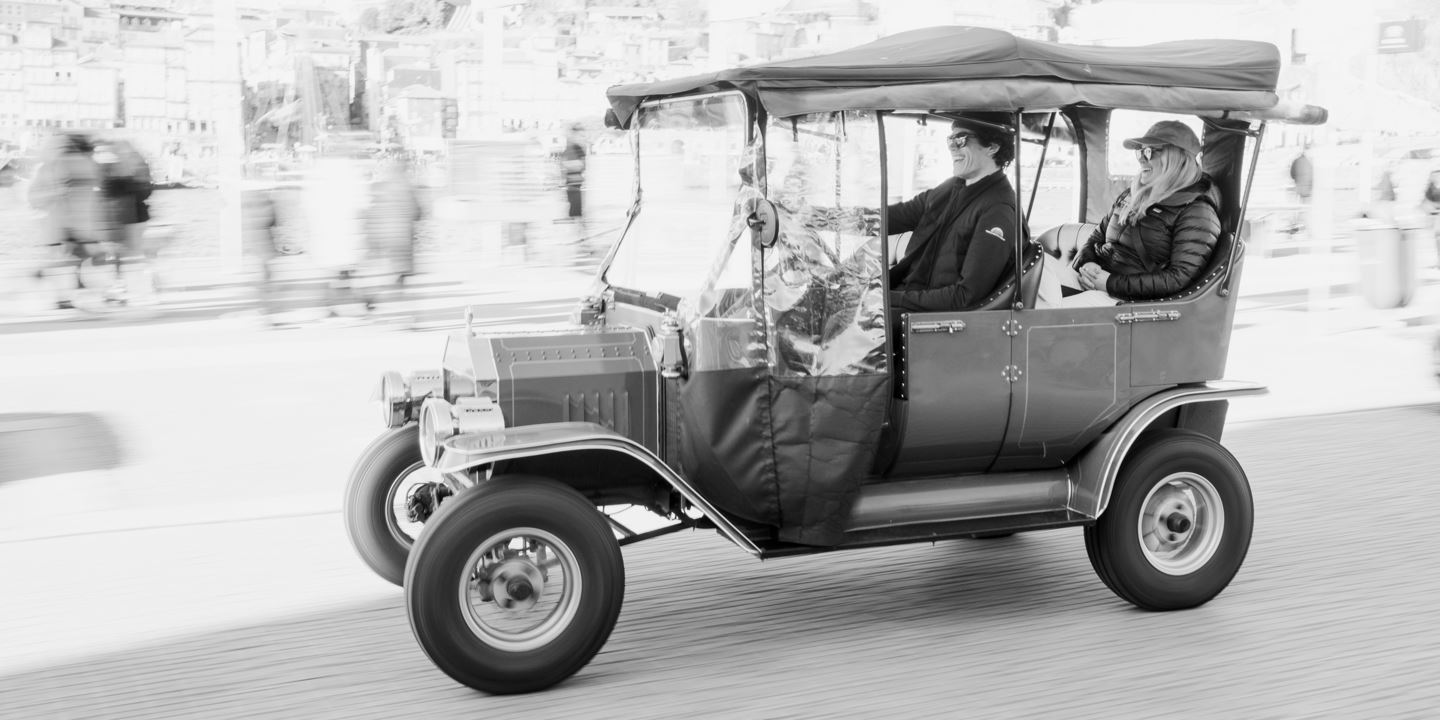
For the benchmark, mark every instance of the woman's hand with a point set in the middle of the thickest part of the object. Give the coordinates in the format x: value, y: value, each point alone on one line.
x: 1093, y: 277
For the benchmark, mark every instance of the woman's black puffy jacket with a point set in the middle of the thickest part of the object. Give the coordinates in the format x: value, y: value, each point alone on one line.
x: 1165, y: 251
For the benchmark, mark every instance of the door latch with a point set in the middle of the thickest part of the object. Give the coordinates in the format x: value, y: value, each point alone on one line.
x: 938, y: 326
x: 1126, y: 318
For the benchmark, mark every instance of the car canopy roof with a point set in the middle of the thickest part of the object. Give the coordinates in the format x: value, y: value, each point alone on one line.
x: 969, y: 68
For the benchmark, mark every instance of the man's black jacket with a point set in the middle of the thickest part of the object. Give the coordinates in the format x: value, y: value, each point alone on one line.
x: 962, y: 247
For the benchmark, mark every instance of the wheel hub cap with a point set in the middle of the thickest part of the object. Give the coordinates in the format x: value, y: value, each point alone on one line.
x: 1181, y: 522
x: 521, y: 589
x: 515, y: 585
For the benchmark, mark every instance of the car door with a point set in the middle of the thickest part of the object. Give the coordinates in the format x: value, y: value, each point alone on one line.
x: 953, y: 391
x: 1072, y: 380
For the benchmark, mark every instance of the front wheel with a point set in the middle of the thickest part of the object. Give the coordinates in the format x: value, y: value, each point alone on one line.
x: 390, y: 494
x: 515, y: 586
x: 1178, y: 525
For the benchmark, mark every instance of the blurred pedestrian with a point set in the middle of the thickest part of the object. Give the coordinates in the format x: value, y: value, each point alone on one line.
x: 1385, y: 188
x: 390, y: 219
x: 125, y: 189
x: 572, y: 167
x: 1430, y: 203
x: 258, y: 220
x: 1430, y: 200
x: 1302, y: 175
x: 66, y: 189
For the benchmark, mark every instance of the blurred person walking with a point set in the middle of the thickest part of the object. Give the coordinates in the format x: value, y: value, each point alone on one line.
x: 66, y: 189
x: 1430, y: 203
x: 572, y: 168
x: 1385, y: 188
x: 390, y: 220
x: 1302, y: 175
x: 1302, y: 178
x: 125, y: 189
x: 1430, y: 199
x: 258, y: 220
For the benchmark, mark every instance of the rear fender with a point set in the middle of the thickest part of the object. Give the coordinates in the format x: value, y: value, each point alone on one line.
x: 465, y: 451
x: 1094, y: 471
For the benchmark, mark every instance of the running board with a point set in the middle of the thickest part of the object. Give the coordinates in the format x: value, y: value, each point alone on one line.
x: 961, y: 498
x: 931, y: 532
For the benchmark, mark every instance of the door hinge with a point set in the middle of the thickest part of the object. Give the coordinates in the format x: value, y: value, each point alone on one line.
x: 1126, y: 318
x: 1012, y: 373
x: 1011, y: 327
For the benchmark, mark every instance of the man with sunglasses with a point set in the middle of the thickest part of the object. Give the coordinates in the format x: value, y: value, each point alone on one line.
x: 962, y: 243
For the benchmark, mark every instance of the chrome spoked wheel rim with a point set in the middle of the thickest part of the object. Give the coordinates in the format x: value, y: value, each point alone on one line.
x: 1182, y: 520
x: 397, y: 519
x: 520, y: 589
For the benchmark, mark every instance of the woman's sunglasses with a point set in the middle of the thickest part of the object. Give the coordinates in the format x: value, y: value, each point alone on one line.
x: 1147, y: 152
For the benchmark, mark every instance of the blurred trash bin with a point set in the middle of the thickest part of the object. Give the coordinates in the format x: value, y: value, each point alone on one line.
x: 1386, y: 250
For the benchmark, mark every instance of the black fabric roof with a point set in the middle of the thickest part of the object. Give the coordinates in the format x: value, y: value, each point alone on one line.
x: 978, y: 69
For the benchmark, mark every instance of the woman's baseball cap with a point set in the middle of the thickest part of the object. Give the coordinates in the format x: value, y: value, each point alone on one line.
x: 1167, y: 132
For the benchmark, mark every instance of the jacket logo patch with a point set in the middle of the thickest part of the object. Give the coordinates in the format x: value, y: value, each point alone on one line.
x: 996, y: 232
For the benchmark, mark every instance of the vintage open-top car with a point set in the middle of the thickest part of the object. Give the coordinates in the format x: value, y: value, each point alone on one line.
x: 737, y: 364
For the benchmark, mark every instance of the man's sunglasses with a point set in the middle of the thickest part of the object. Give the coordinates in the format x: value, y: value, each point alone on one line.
x: 1147, y: 151
x: 959, y: 139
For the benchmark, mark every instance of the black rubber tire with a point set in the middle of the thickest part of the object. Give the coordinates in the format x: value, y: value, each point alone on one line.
x: 368, y: 497
x: 439, y: 562
x: 1113, y: 543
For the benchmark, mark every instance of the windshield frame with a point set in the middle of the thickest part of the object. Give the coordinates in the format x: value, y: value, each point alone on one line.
x: 665, y: 299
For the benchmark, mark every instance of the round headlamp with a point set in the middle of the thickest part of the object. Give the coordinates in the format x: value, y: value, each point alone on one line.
x: 437, y: 424
x: 394, y: 399
x: 400, y: 397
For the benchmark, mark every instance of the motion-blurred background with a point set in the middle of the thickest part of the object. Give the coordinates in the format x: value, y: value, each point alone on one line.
x: 329, y: 184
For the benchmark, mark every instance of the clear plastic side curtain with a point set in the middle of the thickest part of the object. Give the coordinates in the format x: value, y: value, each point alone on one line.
x: 823, y: 297
x: 823, y: 279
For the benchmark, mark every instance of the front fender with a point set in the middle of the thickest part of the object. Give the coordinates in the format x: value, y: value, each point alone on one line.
x: 1094, y: 471
x: 468, y: 450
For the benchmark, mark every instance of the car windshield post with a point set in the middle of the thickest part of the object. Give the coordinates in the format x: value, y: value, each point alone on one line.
x: 1019, y: 216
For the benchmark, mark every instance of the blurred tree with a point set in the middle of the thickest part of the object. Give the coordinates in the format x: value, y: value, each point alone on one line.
x: 370, y: 19
x: 257, y: 102
x: 412, y: 16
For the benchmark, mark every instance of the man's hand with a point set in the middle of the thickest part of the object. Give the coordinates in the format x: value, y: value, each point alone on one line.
x: 1092, y: 277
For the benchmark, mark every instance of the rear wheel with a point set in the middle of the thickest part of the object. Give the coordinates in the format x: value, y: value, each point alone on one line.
x: 389, y: 495
x: 515, y: 586
x: 1178, y: 525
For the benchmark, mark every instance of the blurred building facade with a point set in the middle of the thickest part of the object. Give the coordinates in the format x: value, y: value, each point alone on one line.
x: 313, y: 69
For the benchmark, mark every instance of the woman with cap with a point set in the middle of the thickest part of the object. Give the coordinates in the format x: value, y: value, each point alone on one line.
x: 962, y: 246
x: 1161, y: 231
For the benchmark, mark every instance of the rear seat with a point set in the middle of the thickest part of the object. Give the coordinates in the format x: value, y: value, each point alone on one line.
x: 1063, y: 241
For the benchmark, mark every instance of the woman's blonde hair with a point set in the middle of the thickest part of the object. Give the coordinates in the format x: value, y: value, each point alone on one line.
x: 1172, y: 169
